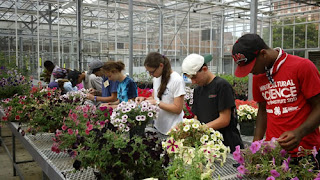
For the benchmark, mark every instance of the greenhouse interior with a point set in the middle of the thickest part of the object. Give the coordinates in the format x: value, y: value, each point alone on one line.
x: 117, y: 89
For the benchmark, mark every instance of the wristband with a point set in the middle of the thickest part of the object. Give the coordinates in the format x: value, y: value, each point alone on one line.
x: 158, y: 102
x: 95, y: 99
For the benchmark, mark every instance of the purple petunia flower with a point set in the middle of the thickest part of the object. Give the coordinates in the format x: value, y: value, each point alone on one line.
x: 270, y: 178
x: 274, y: 173
x: 242, y: 170
x: 283, y: 153
x: 255, y: 146
x: 285, y: 166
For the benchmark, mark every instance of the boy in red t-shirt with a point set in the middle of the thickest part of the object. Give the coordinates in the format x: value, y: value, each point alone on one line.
x: 287, y: 88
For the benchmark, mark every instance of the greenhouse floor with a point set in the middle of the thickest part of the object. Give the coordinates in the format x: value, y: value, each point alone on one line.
x: 30, y: 170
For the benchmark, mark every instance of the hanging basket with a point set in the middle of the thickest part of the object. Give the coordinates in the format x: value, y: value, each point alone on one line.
x: 247, y: 128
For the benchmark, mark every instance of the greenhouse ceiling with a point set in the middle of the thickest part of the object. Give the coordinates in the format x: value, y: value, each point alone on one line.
x: 68, y: 31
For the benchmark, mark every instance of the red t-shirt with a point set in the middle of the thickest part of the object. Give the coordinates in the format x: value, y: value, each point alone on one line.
x: 296, y: 79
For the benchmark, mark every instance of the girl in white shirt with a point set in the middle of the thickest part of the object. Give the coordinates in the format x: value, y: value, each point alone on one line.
x: 168, y: 92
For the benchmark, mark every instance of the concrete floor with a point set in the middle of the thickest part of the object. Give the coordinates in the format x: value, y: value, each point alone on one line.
x: 30, y: 170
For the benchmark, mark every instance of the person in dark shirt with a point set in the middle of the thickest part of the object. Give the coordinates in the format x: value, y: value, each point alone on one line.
x: 213, y: 99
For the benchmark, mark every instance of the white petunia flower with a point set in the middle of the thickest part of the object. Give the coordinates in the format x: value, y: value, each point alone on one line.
x: 195, y: 126
x: 186, y: 128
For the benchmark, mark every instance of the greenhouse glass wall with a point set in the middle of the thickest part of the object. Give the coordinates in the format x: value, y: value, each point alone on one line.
x: 71, y: 33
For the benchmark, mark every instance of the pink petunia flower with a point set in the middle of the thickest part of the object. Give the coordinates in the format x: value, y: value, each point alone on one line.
x: 90, y: 127
x: 274, y: 173
x: 85, y: 115
x: 255, y: 146
x: 102, y: 123
x: 64, y: 127
x: 270, y: 178
x: 242, y: 170
x: 70, y: 131
x: 87, y: 131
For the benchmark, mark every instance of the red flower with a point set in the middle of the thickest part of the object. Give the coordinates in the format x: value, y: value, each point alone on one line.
x: 5, y: 118
x: 70, y: 131
x: 17, y: 117
x: 64, y: 127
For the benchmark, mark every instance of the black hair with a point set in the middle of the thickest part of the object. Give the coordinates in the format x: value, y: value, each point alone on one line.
x: 49, y: 65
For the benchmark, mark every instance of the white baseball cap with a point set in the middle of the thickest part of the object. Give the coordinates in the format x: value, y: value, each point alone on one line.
x: 193, y: 63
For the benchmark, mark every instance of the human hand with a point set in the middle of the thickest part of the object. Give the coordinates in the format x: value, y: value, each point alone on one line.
x: 105, y: 105
x: 92, y: 91
x: 289, y: 140
x: 139, y: 99
x: 152, y: 101
x: 90, y: 96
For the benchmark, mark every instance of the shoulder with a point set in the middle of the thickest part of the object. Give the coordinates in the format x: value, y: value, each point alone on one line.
x: 176, y: 77
x: 129, y: 80
x: 296, y: 60
x: 221, y: 80
x: 300, y: 64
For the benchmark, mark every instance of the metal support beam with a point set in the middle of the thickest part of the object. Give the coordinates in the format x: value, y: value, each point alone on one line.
x: 161, y: 29
x: 131, y: 38
x: 79, y: 31
x: 253, y: 29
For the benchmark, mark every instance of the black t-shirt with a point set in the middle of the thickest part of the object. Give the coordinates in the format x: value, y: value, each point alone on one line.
x: 209, y: 100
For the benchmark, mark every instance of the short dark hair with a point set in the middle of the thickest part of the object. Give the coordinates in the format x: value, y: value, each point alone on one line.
x: 48, y: 65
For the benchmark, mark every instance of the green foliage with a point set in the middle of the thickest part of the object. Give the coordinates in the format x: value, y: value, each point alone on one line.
x: 117, y: 157
x: 179, y: 170
x: 299, y: 35
x: 4, y: 61
x: 240, y: 85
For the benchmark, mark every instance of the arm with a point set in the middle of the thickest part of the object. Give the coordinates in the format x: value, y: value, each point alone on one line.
x: 140, y: 99
x: 111, y: 98
x: 222, y: 121
x: 175, y: 108
x: 291, y: 139
x: 261, y: 122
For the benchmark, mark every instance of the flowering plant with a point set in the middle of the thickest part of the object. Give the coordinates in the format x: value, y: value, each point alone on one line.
x: 16, y: 107
x: 194, y: 143
x: 268, y: 160
x: 12, y: 82
x: 246, y: 113
x: 79, y: 122
x: 188, y: 99
x: 75, y: 96
x: 117, y: 157
x: 128, y: 115
x: 241, y: 102
x: 144, y: 92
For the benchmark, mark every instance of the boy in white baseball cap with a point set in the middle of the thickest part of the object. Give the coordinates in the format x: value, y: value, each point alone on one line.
x: 213, y: 99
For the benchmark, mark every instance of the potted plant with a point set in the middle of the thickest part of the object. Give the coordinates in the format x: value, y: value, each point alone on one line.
x: 193, y: 149
x: 188, y: 101
x: 132, y: 117
x: 267, y: 160
x: 246, y: 117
